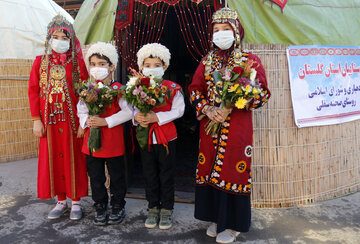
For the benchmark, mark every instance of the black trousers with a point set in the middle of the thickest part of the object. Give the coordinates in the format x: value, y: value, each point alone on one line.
x: 159, y: 173
x: 96, y: 172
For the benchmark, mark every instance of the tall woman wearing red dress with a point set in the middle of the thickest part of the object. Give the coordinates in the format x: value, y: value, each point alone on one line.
x: 223, y: 175
x: 52, y: 97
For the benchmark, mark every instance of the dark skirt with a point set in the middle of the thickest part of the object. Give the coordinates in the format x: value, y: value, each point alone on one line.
x: 228, y: 211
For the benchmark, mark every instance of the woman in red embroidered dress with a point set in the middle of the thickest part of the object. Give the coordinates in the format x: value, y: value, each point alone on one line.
x: 223, y: 176
x: 61, y: 166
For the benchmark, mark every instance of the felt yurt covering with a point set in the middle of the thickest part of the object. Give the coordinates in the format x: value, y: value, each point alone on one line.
x: 23, y: 25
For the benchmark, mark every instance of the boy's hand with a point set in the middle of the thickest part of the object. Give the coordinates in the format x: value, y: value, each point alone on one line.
x: 38, y: 128
x: 95, y: 121
x: 148, y: 119
x: 80, y: 132
x: 151, y: 118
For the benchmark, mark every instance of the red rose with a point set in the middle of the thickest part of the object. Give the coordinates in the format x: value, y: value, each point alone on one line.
x: 238, y: 70
x: 145, y: 82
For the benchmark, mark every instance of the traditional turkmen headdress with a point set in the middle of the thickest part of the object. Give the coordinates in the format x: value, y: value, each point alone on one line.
x: 227, y: 15
x: 155, y: 50
x: 60, y: 23
x: 103, y: 49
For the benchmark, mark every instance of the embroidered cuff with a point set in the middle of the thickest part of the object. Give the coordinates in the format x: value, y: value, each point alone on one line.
x: 199, y: 102
x: 260, y: 100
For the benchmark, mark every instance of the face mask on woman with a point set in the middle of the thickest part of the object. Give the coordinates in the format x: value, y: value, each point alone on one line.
x: 60, y: 46
x: 156, y: 72
x: 99, y: 73
x: 224, y: 39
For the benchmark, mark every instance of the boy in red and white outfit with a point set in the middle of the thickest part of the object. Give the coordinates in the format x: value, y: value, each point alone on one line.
x: 102, y: 59
x: 159, y: 160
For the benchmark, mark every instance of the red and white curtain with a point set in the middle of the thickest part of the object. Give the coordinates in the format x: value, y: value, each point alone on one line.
x: 142, y: 21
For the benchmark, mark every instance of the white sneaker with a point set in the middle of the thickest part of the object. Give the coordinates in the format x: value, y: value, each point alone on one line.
x: 227, y: 236
x: 58, y: 210
x: 211, y: 230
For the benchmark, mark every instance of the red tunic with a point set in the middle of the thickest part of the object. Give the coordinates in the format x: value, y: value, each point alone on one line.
x: 225, y: 160
x: 167, y: 132
x: 61, y: 165
x: 112, y: 139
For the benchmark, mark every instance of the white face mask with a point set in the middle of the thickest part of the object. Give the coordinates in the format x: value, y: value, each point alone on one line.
x: 99, y: 73
x: 156, y: 72
x: 60, y: 46
x: 224, y: 39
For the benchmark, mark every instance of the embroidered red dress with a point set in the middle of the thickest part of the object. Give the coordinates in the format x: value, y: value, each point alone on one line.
x: 61, y: 166
x: 224, y: 163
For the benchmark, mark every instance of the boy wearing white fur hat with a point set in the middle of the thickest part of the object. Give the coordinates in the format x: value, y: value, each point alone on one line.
x: 101, y: 60
x: 159, y: 162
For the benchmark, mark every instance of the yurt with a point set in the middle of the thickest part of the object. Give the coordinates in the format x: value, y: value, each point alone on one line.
x: 23, y: 26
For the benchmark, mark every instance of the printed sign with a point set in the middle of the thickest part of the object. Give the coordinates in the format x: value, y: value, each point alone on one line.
x: 325, y: 84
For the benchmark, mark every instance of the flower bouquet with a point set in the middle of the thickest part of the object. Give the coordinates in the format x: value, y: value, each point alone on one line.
x: 96, y: 96
x: 234, y: 88
x: 144, y: 93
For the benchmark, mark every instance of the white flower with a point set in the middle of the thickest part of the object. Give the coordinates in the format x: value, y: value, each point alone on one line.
x: 253, y: 74
x: 100, y: 85
x: 131, y: 82
x: 152, y: 82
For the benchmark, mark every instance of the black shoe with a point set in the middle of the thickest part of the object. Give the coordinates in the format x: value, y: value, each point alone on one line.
x: 101, y: 214
x: 117, y: 214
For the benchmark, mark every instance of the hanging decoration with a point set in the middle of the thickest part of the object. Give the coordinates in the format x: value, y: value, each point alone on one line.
x: 281, y: 3
x: 194, y: 20
x: 146, y: 26
x: 142, y: 21
x: 124, y: 14
x: 170, y: 2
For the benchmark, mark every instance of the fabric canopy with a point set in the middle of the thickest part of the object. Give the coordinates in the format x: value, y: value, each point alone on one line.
x: 319, y: 22
x: 23, y: 25
x: 95, y: 21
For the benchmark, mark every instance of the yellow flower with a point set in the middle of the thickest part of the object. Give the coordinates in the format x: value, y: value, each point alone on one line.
x: 239, y: 91
x: 164, y: 89
x: 247, y: 89
x: 219, y: 84
x: 233, y: 88
x: 240, y: 103
x: 256, y: 91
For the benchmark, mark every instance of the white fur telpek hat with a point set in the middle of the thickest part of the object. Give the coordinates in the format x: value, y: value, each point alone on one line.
x: 155, y: 50
x: 104, y: 49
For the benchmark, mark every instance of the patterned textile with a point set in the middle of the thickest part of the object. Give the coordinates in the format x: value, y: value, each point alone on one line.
x: 124, y: 14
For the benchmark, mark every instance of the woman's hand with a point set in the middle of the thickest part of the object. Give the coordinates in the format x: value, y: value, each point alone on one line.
x: 80, y: 132
x: 95, y: 121
x: 216, y: 114
x: 38, y: 128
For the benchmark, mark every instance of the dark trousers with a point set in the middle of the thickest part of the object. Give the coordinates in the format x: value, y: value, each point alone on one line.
x: 159, y: 173
x: 96, y: 172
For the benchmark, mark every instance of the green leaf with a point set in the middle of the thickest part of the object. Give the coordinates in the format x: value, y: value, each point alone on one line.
x: 234, y: 77
x: 217, y: 76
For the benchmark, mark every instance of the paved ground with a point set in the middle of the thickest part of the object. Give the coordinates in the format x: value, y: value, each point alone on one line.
x: 23, y: 219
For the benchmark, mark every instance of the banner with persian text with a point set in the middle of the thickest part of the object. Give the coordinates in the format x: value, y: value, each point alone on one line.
x: 325, y: 84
